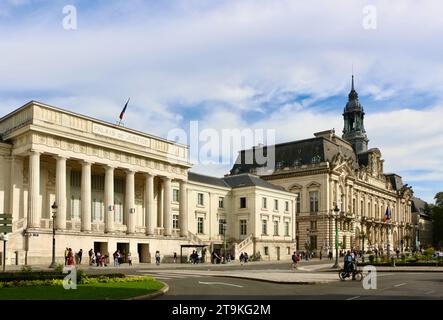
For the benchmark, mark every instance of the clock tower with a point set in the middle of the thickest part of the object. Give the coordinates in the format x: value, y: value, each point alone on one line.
x: 354, y: 131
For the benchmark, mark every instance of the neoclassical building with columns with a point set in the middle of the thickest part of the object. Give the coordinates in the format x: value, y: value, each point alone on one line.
x: 121, y: 189
x: 112, y: 186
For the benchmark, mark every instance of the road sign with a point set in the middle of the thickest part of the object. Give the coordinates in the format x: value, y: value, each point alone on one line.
x: 5, y: 223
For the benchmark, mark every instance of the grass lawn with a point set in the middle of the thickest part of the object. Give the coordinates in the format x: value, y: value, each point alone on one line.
x: 98, y: 291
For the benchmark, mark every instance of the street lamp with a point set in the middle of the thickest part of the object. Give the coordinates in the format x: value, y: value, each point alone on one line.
x: 224, y: 241
x: 337, y: 212
x: 54, y: 214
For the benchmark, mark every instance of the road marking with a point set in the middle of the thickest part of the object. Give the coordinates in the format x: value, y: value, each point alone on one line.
x: 356, y: 297
x: 429, y: 292
x: 399, y: 285
x: 223, y: 283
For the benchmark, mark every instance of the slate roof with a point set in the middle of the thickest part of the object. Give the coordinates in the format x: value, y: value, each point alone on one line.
x: 201, y: 178
x: 293, y: 154
x: 248, y: 180
x: 234, y: 181
x: 419, y: 205
x: 396, y: 181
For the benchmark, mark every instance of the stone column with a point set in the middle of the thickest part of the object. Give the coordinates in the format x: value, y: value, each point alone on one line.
x: 130, y: 201
x: 160, y: 192
x: 183, y: 209
x: 60, y: 193
x: 150, y: 215
x: 86, y: 196
x: 167, y: 218
x: 34, y: 209
x: 109, y: 199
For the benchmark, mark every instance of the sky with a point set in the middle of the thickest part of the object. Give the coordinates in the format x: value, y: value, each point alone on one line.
x: 279, y: 66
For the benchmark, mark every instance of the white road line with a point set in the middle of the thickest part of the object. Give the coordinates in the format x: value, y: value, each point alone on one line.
x: 223, y: 283
x: 429, y: 292
x: 163, y: 278
x: 399, y: 285
x: 353, y: 298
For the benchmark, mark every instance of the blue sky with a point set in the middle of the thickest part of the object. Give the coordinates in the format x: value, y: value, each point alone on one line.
x: 281, y: 65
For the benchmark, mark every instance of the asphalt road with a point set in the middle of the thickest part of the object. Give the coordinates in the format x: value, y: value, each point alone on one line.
x: 393, y: 286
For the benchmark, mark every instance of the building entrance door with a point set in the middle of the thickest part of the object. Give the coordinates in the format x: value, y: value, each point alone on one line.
x: 144, y: 255
x: 278, y: 253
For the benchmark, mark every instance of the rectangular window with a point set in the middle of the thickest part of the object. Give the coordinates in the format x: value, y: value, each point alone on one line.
x: 200, y: 199
x: 264, y: 203
x: 119, y: 185
x: 75, y: 179
x: 243, y: 229
x: 313, y: 198
x: 297, y: 226
x: 75, y: 208
x: 362, y: 208
x: 313, y: 240
x: 353, y: 206
x: 288, y: 250
x: 97, y: 210
x: 286, y: 228
x: 221, y: 202
x: 266, y: 251
x: 286, y: 206
x: 344, y: 242
x: 221, y: 226
x: 313, y: 225
x: 275, y: 204
x: 200, y: 225
x: 174, y: 221
x: 98, y: 182
x: 275, y: 228
x: 243, y: 202
x: 175, y: 195
x: 298, y: 203
x: 118, y: 212
x: 264, y: 227
x: 297, y: 245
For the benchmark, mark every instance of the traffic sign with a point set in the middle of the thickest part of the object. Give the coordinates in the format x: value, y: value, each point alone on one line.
x: 5, y: 223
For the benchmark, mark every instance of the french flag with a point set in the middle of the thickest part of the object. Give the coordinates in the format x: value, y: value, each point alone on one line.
x: 124, y: 109
x: 387, y: 214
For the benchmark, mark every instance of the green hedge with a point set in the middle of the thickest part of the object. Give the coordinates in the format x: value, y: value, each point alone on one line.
x: 85, y: 280
x: 48, y: 275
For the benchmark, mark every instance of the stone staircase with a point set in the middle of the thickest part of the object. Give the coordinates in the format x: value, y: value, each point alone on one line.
x: 245, y: 246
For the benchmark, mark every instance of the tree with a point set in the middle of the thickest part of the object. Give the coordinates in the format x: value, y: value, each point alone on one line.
x: 439, y: 199
x: 437, y: 219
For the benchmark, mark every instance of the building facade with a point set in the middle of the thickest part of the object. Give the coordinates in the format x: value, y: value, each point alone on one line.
x: 119, y: 189
x: 328, y: 171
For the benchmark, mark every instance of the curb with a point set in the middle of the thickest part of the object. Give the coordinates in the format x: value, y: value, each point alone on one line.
x: 391, y: 270
x: 153, y: 295
x: 277, y: 281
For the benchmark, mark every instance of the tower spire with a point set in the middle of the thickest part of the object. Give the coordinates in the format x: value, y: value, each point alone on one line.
x: 352, y: 87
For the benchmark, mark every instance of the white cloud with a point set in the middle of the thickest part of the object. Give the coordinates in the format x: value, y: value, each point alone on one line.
x: 241, y: 56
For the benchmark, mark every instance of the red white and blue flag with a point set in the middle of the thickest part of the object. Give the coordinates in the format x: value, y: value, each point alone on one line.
x: 387, y: 214
x: 124, y: 110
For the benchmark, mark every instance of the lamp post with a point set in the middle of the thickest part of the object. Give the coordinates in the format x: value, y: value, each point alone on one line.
x: 54, y: 214
x: 224, y: 241
x: 337, y: 212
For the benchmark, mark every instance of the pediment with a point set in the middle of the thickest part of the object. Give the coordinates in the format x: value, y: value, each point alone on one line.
x: 314, y: 184
x: 295, y: 187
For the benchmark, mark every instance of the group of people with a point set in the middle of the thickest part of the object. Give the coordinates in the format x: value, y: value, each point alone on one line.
x: 244, y: 258
x: 72, y: 258
x: 97, y: 258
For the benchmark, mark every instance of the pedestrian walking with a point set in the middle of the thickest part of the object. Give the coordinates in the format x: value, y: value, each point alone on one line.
x: 80, y: 254
x: 157, y: 257
x: 129, y: 257
x: 294, y: 260
x: 90, y: 254
x: 175, y: 257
